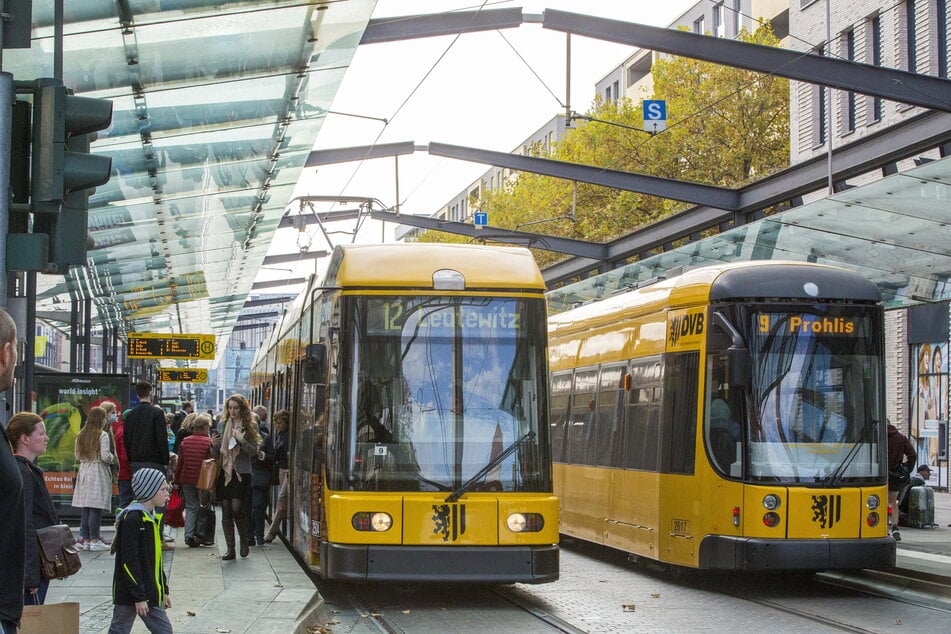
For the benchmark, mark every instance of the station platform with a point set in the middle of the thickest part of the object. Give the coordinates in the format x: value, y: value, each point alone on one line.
x: 269, y: 592
x: 926, y: 552
x: 266, y: 592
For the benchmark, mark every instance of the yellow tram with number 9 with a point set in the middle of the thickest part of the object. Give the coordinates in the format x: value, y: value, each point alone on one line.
x: 417, y: 383
x: 729, y: 418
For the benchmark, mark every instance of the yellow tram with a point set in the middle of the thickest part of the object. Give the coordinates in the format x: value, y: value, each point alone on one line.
x: 728, y: 418
x: 416, y: 378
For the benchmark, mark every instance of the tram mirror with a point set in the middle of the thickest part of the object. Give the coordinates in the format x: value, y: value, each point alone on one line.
x: 315, y: 363
x: 738, y: 360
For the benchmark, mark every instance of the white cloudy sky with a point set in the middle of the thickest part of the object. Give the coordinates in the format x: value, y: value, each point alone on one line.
x: 487, y: 90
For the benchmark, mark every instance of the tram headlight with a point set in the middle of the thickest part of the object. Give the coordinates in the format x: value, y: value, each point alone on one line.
x: 366, y: 522
x: 873, y: 502
x: 772, y: 502
x: 771, y: 519
x: 525, y: 522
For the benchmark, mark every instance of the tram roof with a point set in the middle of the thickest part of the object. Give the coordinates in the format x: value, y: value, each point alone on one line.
x: 402, y: 265
x: 216, y: 107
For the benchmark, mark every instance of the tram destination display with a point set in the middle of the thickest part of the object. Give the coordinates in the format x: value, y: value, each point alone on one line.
x: 168, y: 346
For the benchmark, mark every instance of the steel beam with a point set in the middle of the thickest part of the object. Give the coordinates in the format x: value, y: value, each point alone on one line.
x: 537, y: 241
x: 450, y: 23
x: 628, y: 181
x: 283, y: 258
x: 889, y: 83
x: 278, y: 283
x: 358, y: 153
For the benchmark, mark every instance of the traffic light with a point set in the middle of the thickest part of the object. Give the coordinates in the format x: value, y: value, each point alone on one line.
x: 63, y: 171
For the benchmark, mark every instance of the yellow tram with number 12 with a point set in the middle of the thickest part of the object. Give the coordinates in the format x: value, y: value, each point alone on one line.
x: 416, y: 378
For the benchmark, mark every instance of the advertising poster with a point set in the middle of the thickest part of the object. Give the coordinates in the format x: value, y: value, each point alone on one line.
x: 63, y: 401
x: 929, y: 405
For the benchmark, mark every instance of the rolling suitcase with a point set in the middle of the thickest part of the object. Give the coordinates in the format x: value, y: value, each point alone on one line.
x: 921, y: 507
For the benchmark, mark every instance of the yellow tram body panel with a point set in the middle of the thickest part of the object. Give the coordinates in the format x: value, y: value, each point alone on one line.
x: 428, y: 520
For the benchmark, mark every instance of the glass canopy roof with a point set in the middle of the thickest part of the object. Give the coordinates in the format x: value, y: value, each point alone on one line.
x: 893, y: 231
x: 216, y: 107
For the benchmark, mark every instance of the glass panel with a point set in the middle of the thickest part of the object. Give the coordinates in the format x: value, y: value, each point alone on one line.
x: 892, y: 231
x: 445, y: 389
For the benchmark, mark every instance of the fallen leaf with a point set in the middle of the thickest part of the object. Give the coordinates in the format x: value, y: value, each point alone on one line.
x: 278, y: 585
x: 332, y: 622
x: 189, y: 613
x: 655, y: 594
x: 627, y: 607
x: 897, y: 621
x: 222, y: 630
x: 405, y: 611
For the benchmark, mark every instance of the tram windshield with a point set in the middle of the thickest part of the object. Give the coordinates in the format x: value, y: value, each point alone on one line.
x: 810, y: 411
x: 440, y: 388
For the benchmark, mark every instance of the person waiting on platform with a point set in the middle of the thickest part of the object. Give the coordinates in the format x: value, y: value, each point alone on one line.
x: 93, y: 491
x: 919, y: 479
x: 27, y: 435
x: 901, y: 456
x: 195, y: 448
x: 280, y: 442
x: 238, y: 445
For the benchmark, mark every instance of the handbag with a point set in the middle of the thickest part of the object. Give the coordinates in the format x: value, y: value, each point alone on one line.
x: 59, y: 554
x: 174, y: 511
x: 208, y: 476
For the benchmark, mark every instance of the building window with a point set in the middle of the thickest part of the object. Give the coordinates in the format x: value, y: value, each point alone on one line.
x: 617, y: 90
x: 850, y: 96
x: 719, y: 29
x: 737, y: 17
x: 698, y: 26
x: 607, y: 95
x: 911, y: 36
x: 876, y: 34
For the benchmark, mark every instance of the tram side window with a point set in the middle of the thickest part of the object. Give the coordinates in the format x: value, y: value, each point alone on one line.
x: 560, y: 398
x: 581, y: 423
x: 607, y: 422
x: 681, y: 370
x: 641, y: 423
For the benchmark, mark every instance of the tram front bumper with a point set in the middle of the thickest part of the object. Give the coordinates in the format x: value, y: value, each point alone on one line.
x: 720, y: 552
x: 424, y: 564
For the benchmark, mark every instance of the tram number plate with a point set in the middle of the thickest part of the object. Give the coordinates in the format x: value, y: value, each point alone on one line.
x: 680, y: 527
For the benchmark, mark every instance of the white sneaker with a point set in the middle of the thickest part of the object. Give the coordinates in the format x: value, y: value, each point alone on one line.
x: 97, y: 545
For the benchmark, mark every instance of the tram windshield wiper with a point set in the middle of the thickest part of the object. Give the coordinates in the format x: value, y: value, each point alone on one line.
x: 458, y: 493
x: 834, y: 478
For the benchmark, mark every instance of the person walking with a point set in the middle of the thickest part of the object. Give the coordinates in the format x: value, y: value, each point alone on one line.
x: 93, y: 490
x: 239, y: 443
x: 146, y: 438
x: 901, y: 459
x: 27, y: 435
x: 195, y: 448
x: 139, y: 584
x: 12, y: 518
x: 280, y: 443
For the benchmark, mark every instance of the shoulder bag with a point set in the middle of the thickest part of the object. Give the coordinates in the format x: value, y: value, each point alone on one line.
x: 59, y: 554
x: 208, y: 476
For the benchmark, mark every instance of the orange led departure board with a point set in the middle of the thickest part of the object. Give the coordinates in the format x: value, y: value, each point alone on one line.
x: 161, y: 346
x: 183, y: 375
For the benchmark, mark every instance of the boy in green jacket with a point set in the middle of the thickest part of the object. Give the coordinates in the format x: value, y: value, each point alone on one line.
x: 139, y: 585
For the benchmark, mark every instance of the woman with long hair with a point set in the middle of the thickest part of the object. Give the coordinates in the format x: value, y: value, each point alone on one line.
x: 239, y: 443
x: 27, y: 435
x: 93, y: 490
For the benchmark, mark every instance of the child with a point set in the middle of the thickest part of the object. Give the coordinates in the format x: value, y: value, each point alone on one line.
x: 139, y: 585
